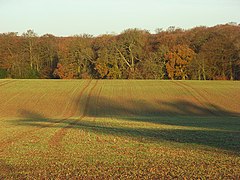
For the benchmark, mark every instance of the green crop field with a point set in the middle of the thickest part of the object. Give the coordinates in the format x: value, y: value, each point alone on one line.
x: 119, y: 129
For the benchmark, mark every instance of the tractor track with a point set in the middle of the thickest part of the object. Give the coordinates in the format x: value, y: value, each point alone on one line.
x: 198, y: 97
x: 22, y: 135
x: 67, y: 113
x: 59, y: 135
x: 7, y: 82
x: 97, y: 101
x: 215, y: 111
x: 3, y: 81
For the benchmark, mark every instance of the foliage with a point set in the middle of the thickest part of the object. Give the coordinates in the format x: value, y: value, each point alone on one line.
x: 62, y: 73
x: 178, y: 59
x: 203, y: 53
x: 3, y: 73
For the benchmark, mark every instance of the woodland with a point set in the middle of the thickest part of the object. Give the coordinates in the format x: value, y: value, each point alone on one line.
x: 200, y: 53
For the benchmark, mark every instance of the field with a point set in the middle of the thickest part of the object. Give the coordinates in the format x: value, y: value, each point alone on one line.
x: 103, y: 129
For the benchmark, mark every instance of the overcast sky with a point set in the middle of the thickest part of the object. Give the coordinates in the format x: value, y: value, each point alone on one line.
x: 70, y: 17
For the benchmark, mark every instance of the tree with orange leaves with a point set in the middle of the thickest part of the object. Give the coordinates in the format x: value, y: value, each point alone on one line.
x: 62, y: 72
x: 177, y: 61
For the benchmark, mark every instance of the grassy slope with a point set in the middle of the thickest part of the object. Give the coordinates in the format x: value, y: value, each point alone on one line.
x: 119, y: 129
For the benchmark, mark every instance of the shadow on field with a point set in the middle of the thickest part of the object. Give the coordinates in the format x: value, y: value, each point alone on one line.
x: 177, y: 113
x: 219, y: 128
x: 104, y: 107
x: 7, y: 171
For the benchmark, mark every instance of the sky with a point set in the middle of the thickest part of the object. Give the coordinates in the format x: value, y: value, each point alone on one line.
x: 96, y: 17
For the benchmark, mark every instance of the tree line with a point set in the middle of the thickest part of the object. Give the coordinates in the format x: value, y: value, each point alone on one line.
x: 200, y: 53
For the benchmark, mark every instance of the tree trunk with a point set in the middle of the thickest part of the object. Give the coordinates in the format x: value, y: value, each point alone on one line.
x: 199, y: 74
x: 30, y: 55
x: 203, y: 70
x: 231, y: 71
